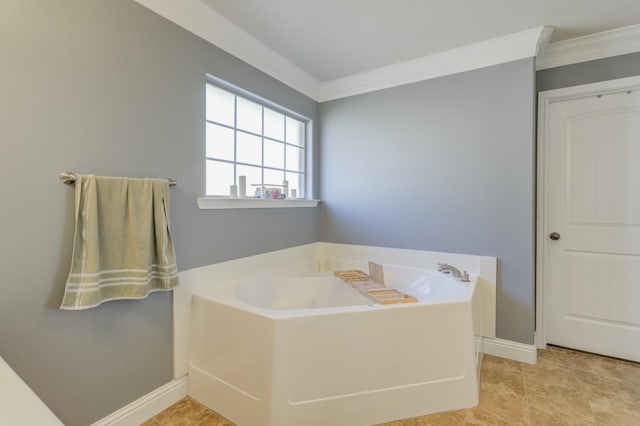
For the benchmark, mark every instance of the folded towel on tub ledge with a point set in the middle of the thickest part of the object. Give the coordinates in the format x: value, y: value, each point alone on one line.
x: 122, y: 247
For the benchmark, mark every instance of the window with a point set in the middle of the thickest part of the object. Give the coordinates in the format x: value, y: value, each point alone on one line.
x: 249, y: 136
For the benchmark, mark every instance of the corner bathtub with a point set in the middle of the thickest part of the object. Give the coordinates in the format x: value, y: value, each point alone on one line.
x: 297, y: 347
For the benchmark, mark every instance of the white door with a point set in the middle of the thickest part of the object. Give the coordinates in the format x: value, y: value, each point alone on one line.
x: 591, y: 226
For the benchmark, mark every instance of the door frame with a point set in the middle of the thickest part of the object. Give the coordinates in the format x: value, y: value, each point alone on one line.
x: 545, y: 99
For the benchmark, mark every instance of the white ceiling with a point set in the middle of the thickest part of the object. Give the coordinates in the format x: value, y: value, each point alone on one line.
x: 330, y: 39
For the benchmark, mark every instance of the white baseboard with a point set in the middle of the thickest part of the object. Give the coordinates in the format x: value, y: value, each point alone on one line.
x: 510, y: 350
x: 144, y: 408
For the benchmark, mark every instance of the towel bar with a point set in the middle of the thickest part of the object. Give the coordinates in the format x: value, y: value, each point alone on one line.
x: 69, y: 178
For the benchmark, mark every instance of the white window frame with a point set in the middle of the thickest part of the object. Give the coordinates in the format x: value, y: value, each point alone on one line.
x: 226, y: 202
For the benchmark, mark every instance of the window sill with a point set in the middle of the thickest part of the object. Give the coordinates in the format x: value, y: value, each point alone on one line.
x: 216, y: 203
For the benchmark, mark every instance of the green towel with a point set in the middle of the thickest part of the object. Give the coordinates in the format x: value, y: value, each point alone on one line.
x: 122, y: 247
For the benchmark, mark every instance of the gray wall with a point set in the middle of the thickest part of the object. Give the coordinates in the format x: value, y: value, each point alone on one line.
x: 444, y: 165
x: 589, y: 72
x: 108, y: 87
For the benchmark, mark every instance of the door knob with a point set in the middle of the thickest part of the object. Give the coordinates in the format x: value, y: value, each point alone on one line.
x: 554, y: 236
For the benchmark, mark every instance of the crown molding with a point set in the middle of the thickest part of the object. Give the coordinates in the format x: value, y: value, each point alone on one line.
x: 195, y: 16
x: 200, y: 19
x: 615, y: 42
x: 499, y: 50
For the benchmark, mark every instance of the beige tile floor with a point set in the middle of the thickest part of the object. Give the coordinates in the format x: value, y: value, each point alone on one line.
x: 565, y: 387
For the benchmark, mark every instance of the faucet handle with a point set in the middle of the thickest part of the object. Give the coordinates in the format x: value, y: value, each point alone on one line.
x: 465, y: 277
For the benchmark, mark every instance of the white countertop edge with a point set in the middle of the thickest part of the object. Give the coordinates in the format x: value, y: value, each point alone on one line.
x: 19, y: 405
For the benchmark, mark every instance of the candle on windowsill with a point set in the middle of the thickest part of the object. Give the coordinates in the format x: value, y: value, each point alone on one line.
x: 242, y: 186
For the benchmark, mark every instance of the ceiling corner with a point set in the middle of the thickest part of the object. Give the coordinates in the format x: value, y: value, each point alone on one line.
x: 198, y: 18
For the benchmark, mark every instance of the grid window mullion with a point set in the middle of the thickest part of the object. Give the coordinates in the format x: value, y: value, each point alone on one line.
x: 235, y: 138
x: 276, y: 164
x: 262, y: 139
x: 284, y: 151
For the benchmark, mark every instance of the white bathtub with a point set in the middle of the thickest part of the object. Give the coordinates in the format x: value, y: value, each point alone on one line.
x: 292, y: 346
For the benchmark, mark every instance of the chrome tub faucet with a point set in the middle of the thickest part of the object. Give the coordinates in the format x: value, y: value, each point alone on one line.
x: 455, y: 272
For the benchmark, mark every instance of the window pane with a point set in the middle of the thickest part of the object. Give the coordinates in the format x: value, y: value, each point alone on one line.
x: 273, y: 124
x: 273, y: 154
x: 249, y: 149
x: 243, y: 137
x: 249, y: 116
x: 295, y: 158
x: 219, y: 142
x: 296, y: 181
x: 219, y: 177
x: 254, y: 178
x: 220, y: 105
x: 295, y: 131
x: 273, y: 178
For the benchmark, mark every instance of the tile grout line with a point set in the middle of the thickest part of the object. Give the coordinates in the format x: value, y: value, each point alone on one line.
x: 526, y: 395
x: 199, y: 422
x: 204, y: 419
x: 574, y: 379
